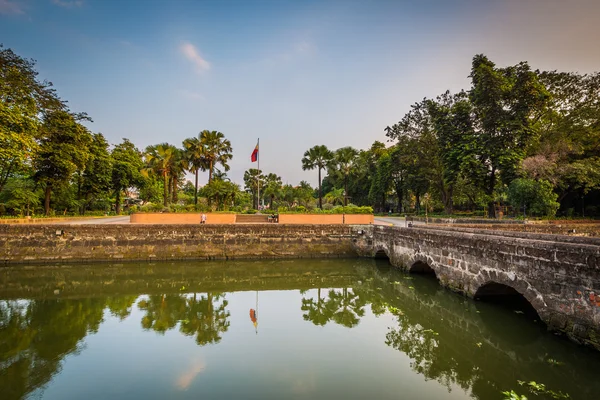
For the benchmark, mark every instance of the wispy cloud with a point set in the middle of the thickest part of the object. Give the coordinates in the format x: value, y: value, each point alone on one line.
x: 190, y: 95
x: 190, y: 52
x: 8, y: 7
x: 68, y: 4
x: 293, y: 53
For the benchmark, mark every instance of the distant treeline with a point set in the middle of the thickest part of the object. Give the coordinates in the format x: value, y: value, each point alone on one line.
x: 518, y: 141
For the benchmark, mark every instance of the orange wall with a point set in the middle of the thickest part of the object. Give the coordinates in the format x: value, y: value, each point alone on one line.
x: 359, y: 219
x: 320, y: 219
x: 167, y: 218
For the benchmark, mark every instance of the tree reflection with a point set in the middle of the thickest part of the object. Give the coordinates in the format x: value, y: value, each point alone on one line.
x: 343, y: 307
x: 163, y: 312
x: 445, y: 337
x: 318, y: 312
x: 36, y: 335
x: 120, y: 307
x: 207, y: 318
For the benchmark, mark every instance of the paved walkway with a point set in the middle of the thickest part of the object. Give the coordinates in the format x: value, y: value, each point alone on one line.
x: 396, y: 221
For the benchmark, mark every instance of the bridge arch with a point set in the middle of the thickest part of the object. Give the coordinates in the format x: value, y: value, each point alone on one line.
x: 420, y: 266
x: 381, y: 254
x: 517, y: 295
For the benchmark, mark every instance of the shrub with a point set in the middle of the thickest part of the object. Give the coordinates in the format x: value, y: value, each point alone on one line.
x: 537, y: 197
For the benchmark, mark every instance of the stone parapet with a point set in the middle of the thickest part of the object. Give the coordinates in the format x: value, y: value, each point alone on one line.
x: 75, y: 243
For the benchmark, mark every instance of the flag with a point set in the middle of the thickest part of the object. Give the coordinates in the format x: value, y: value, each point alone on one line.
x: 254, y: 156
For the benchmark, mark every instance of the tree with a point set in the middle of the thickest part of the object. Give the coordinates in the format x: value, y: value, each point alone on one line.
x: 21, y: 195
x: 569, y: 141
x: 535, y: 196
x: 97, y: 175
x: 221, y: 192
x: 23, y: 100
x: 303, y: 193
x: 380, y: 184
x: 318, y: 157
x: 272, y: 188
x: 127, y: 164
x: 179, y: 164
x: 252, y: 178
x: 336, y: 196
x: 454, y: 141
x: 218, y: 150
x: 159, y: 161
x: 505, y: 102
x: 62, y: 151
x: 345, y: 159
x: 195, y: 153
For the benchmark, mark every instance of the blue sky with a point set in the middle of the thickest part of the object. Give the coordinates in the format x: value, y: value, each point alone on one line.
x: 294, y: 73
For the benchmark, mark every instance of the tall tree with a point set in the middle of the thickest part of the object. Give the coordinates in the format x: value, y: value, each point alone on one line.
x: 318, y: 157
x: 159, y: 161
x: 127, y: 164
x: 179, y: 164
x: 454, y: 140
x: 218, y: 150
x: 195, y: 152
x: 63, y: 150
x: 252, y: 178
x: 96, y: 177
x: 345, y: 159
x: 23, y: 101
x: 505, y: 102
x: 272, y: 188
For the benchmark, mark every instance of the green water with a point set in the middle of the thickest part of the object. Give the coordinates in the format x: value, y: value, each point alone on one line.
x: 325, y: 329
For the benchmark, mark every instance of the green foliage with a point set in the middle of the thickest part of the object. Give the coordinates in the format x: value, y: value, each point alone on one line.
x: 21, y: 196
x: 318, y: 157
x: 536, y: 196
x: 24, y: 101
x: 63, y: 150
x: 540, y: 389
x: 127, y: 164
x: 512, y: 395
x: 217, y: 151
x: 223, y: 194
x: 349, y: 209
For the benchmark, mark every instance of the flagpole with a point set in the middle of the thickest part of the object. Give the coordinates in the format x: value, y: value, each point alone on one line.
x: 258, y: 175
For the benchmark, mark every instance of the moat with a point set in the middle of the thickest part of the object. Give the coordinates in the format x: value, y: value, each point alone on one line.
x: 306, y: 329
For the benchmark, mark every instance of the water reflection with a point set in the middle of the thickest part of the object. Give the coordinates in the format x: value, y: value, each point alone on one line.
x: 454, y: 341
x: 36, y: 335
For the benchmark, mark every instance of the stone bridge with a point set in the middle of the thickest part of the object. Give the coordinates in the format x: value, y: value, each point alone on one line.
x: 558, y: 275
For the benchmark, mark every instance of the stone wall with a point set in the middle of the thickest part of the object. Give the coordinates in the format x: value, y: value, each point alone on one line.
x: 41, y: 243
x: 560, y: 278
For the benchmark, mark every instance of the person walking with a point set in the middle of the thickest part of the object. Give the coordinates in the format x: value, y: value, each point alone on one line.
x: 203, y: 218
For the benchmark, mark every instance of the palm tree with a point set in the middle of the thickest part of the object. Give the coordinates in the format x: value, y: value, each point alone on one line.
x: 252, y: 177
x: 159, y: 160
x: 179, y: 164
x: 345, y: 159
x: 335, y: 196
x: 218, y: 150
x: 317, y: 157
x: 195, y: 153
